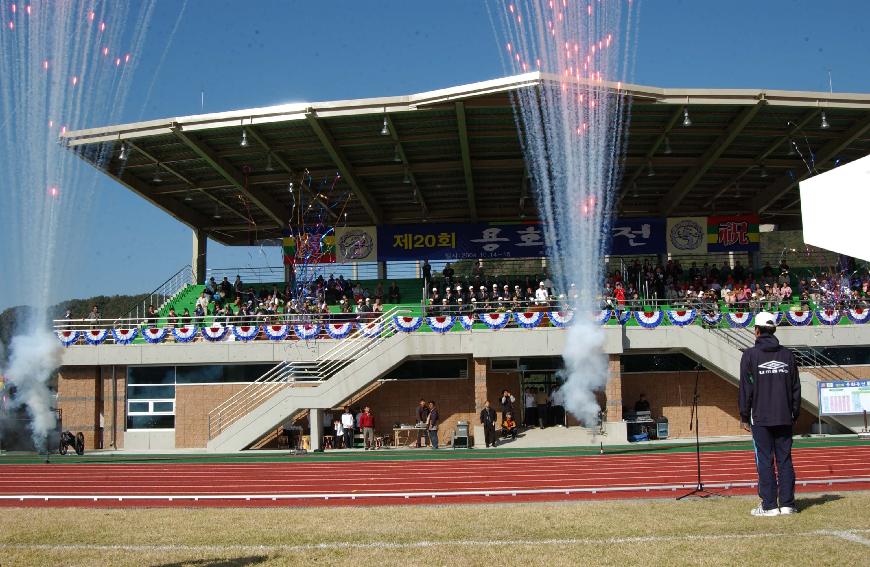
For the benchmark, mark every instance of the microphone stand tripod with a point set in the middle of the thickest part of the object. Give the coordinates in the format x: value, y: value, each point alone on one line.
x: 699, y: 489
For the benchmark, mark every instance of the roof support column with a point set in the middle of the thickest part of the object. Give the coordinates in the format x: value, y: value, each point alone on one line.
x: 480, y: 366
x: 200, y: 254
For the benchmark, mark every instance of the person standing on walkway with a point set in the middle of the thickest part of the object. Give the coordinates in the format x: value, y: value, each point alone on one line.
x: 432, y: 425
x: 367, y: 423
x: 530, y: 408
x: 487, y: 419
x: 422, y: 417
x: 347, y: 424
x: 770, y: 402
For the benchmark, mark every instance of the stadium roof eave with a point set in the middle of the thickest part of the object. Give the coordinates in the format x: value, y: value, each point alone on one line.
x: 393, y: 104
x: 454, y: 155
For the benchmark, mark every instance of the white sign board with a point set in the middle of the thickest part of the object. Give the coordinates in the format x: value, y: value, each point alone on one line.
x: 843, y: 398
x: 834, y: 209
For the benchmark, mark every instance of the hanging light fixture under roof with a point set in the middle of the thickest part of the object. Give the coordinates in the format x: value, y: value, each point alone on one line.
x: 123, y: 155
x: 686, y: 120
x: 244, y: 141
x: 650, y: 171
x: 157, y: 178
x: 824, y: 124
x: 415, y: 197
x: 269, y: 162
x: 763, y: 171
x: 634, y: 192
x: 188, y: 198
x: 791, y: 150
x: 385, y: 131
x: 407, y: 178
x: 217, y: 213
x: 668, y: 150
x: 396, y: 157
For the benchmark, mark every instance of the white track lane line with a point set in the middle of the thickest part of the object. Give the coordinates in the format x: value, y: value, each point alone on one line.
x: 849, y: 535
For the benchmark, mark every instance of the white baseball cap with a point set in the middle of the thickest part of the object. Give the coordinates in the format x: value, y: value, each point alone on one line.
x: 765, y: 319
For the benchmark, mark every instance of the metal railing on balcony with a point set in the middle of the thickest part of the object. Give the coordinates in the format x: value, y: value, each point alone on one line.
x: 162, y: 294
x: 288, y: 374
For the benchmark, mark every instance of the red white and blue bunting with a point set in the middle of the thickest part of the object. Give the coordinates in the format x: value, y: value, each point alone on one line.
x: 214, y: 334
x: 495, y: 320
x: 276, y: 332
x: 96, y: 336
x: 601, y: 316
x: 306, y: 331
x: 649, y: 319
x: 623, y: 316
x: 712, y: 319
x: 68, y: 338
x: 682, y: 317
x: 184, y: 334
x: 778, y: 315
x: 799, y: 318
x: 407, y: 324
x: 154, y: 335
x: 467, y: 321
x: 371, y: 330
x: 829, y: 316
x: 124, y: 336
x: 739, y: 319
x: 440, y: 323
x: 246, y: 333
x: 561, y: 318
x: 858, y: 315
x: 338, y: 330
x: 528, y: 320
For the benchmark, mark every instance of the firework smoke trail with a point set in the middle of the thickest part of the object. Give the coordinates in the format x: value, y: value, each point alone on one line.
x: 573, y: 126
x: 63, y: 65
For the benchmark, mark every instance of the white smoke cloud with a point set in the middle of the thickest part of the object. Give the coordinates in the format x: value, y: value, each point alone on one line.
x: 585, y: 372
x: 34, y: 356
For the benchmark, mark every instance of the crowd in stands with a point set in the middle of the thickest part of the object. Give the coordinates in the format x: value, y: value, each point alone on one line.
x: 712, y: 285
x: 637, y: 285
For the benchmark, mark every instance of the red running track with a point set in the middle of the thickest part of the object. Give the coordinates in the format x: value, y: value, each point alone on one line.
x: 408, y: 481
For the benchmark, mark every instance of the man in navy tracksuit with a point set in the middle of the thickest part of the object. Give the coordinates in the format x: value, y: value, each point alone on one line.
x: 770, y: 401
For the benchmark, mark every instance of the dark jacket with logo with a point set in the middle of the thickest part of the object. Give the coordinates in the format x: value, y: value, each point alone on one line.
x: 770, y: 388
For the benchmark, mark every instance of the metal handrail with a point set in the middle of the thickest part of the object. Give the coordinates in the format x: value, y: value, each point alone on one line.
x: 810, y: 357
x: 165, y: 292
x: 286, y: 374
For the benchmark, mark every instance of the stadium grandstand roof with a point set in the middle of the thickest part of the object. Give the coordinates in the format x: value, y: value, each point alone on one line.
x: 453, y: 155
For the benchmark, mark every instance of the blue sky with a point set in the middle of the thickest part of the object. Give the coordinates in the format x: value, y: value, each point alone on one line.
x: 255, y: 53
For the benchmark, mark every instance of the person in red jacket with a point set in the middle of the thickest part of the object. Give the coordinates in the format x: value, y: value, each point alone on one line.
x: 367, y: 423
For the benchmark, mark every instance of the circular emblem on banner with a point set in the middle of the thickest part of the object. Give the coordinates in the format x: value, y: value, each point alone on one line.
x: 686, y: 235
x: 355, y: 245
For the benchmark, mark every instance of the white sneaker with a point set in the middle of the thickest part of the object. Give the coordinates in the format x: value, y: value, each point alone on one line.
x: 786, y: 510
x: 759, y: 511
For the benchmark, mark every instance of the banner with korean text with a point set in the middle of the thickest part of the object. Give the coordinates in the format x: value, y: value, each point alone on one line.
x: 732, y: 233
x: 459, y: 241
x: 636, y: 236
x: 687, y: 235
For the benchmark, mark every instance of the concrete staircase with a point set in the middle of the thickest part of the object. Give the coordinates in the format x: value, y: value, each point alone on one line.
x: 292, y: 387
x: 720, y: 350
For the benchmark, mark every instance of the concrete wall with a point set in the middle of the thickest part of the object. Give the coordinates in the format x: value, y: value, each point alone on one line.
x: 670, y: 395
x: 83, y: 394
x: 193, y: 402
x: 544, y: 341
x: 396, y: 402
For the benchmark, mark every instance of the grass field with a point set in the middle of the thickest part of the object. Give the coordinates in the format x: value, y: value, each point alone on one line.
x: 832, y: 529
